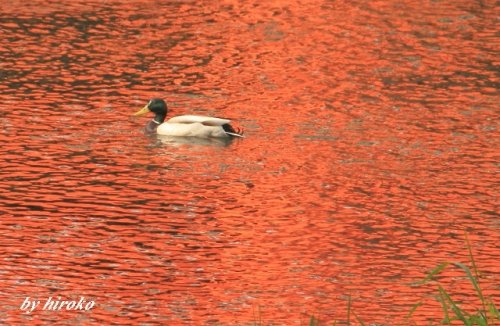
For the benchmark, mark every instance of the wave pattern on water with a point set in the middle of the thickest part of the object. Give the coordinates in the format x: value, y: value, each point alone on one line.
x: 371, y: 150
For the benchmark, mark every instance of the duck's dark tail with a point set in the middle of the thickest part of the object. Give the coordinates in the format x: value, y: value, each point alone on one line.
x: 232, y: 132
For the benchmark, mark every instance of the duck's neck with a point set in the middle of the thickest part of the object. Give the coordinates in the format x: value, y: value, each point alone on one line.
x: 153, y: 124
x: 159, y: 117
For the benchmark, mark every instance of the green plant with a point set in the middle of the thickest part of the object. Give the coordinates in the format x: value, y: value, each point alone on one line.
x: 486, y: 315
x: 313, y: 321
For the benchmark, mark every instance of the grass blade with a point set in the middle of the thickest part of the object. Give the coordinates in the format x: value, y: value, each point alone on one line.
x: 442, y: 300
x: 358, y: 319
x: 469, y: 248
x: 456, y: 309
x: 474, y: 282
x: 432, y: 273
x: 476, y: 273
x: 255, y: 321
x: 413, y: 308
x: 493, y: 310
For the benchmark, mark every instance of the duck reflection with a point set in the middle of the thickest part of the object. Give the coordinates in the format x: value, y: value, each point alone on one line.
x: 178, y: 140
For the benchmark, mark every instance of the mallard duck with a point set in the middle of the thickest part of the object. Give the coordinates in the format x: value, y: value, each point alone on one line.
x: 186, y: 125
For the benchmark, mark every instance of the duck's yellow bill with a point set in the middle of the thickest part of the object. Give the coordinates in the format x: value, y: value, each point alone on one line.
x: 142, y: 111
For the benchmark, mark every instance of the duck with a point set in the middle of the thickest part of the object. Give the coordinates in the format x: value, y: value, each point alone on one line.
x: 186, y: 125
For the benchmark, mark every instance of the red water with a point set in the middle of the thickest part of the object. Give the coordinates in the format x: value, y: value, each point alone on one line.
x: 371, y: 149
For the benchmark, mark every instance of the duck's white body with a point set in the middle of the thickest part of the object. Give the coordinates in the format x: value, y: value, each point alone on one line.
x: 194, y: 126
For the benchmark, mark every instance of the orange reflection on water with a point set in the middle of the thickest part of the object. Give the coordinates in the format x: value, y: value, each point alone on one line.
x: 371, y: 151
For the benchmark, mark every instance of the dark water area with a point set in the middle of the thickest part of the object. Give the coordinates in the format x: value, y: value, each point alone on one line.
x: 371, y: 150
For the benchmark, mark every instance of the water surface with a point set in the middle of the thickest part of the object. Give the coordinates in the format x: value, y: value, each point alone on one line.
x: 371, y: 149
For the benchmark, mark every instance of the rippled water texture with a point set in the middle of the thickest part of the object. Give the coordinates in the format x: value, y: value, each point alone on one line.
x: 371, y: 149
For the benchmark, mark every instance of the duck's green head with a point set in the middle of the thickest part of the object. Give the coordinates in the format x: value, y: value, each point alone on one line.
x: 158, y: 107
